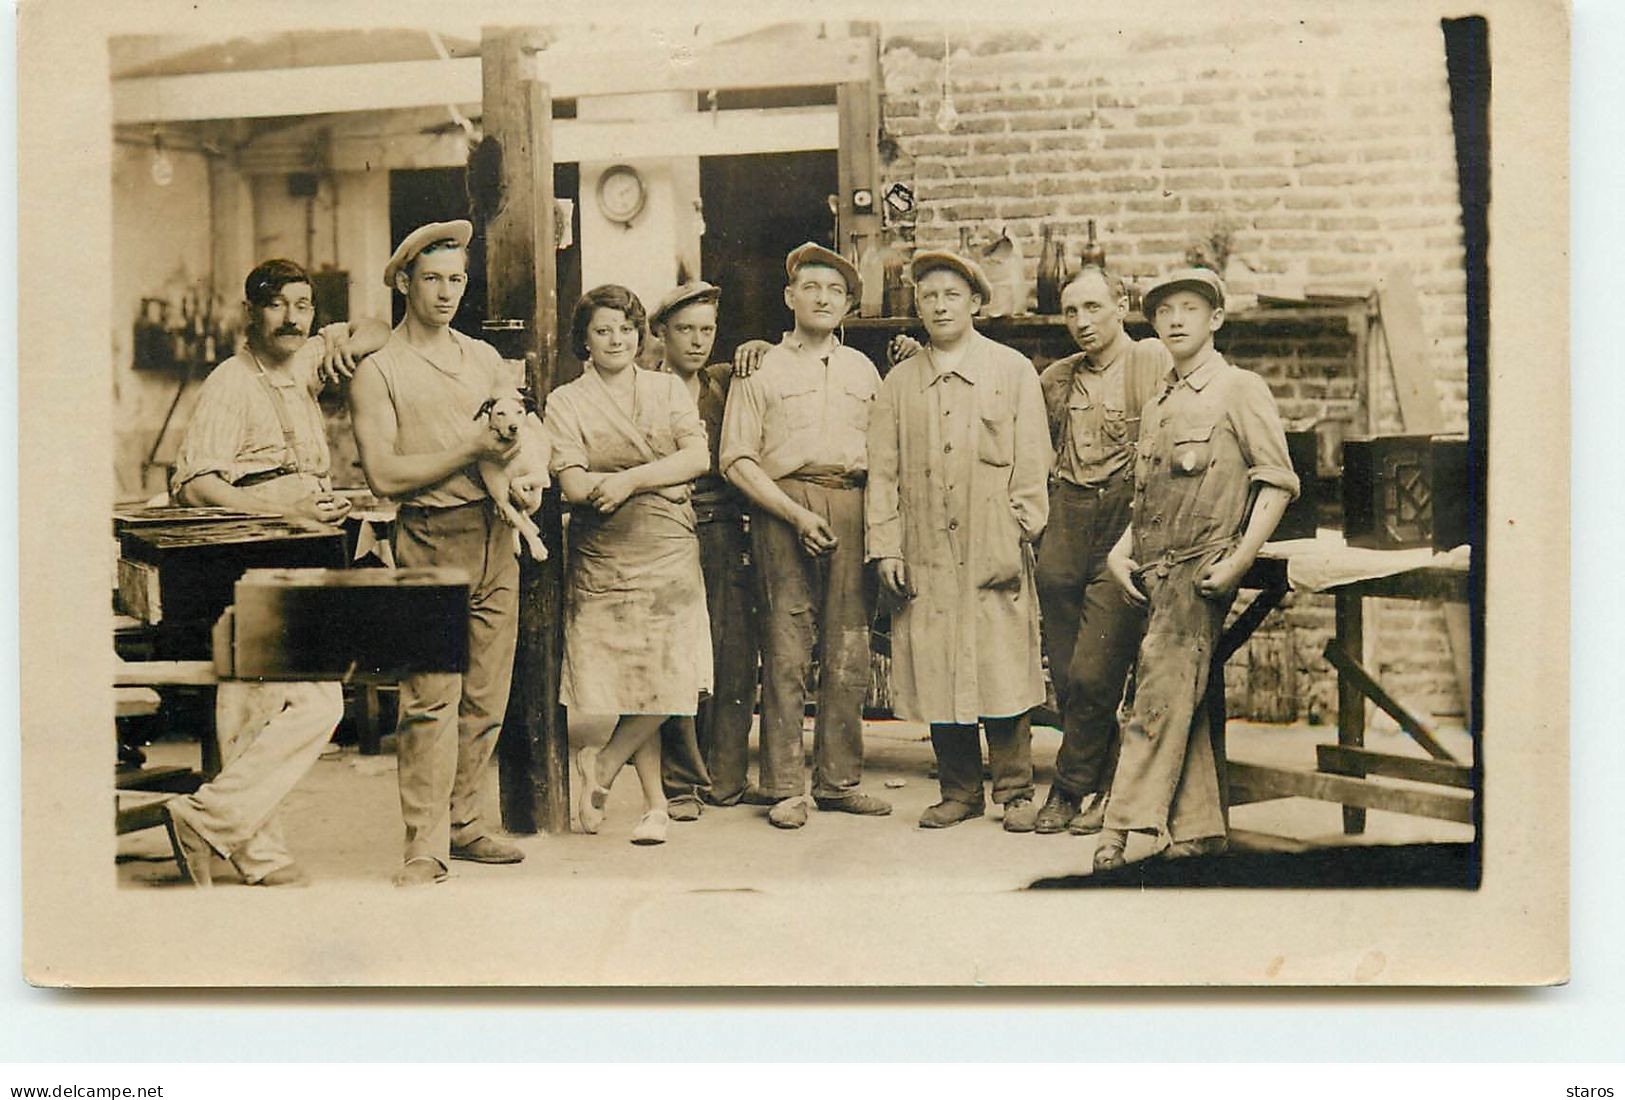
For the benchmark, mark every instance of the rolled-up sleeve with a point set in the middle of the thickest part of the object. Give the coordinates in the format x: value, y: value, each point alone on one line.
x: 1029, y: 479
x: 1258, y: 429
x: 562, y: 426
x: 686, y: 426
x: 217, y: 436
x: 882, y: 518
x: 742, y: 423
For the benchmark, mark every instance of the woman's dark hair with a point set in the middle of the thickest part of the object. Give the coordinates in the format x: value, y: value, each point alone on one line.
x: 608, y: 296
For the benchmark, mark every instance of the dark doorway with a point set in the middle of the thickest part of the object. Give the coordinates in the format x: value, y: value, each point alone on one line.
x: 757, y: 208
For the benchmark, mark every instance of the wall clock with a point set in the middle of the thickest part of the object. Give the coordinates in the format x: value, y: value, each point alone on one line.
x: 621, y: 193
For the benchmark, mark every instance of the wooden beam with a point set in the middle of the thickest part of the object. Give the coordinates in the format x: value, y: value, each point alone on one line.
x: 1362, y: 762
x: 1350, y: 672
x: 396, y: 85
x: 1407, y: 353
x: 1255, y: 783
x: 857, y: 159
x: 533, y: 750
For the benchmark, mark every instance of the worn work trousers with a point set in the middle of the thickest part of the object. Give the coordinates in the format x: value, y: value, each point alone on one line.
x: 1009, y: 758
x: 806, y: 600
x: 1167, y: 775
x: 449, y: 723
x: 707, y: 756
x: 270, y: 735
x: 1091, y: 631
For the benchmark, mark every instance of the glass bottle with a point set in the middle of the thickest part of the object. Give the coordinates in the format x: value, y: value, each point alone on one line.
x: 1093, y: 255
x: 1051, y: 272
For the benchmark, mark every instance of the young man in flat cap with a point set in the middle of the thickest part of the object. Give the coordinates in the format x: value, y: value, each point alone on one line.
x: 414, y: 405
x: 705, y: 757
x: 1090, y: 632
x: 794, y: 442
x: 1212, y: 477
x: 257, y: 442
x: 958, y: 456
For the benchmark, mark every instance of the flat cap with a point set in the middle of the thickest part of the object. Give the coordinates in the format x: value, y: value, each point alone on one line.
x: 810, y: 253
x: 943, y: 260
x: 422, y: 237
x: 1199, y: 279
x: 696, y: 290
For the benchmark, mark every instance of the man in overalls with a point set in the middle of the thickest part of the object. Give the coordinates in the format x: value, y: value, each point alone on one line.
x: 1212, y: 477
x: 1090, y: 632
x: 794, y: 442
x: 414, y: 404
x: 257, y: 442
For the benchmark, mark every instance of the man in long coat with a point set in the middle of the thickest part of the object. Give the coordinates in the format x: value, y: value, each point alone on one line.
x: 959, y: 453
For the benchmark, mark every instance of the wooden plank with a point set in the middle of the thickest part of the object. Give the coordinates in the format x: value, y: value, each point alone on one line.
x: 170, y: 778
x: 1350, y: 638
x: 857, y: 156
x: 400, y: 85
x: 778, y: 130
x: 1362, y: 762
x: 1458, y: 625
x: 1249, y: 781
x: 1407, y: 353
x: 1350, y: 672
x: 521, y: 281
x: 150, y: 673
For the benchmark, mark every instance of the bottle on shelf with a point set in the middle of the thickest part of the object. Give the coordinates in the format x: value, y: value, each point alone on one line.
x: 1051, y: 272
x: 1093, y: 255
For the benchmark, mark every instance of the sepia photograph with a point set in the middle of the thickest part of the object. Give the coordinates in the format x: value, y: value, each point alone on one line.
x: 741, y: 500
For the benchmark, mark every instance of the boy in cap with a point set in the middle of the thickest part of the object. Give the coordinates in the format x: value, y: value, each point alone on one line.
x: 794, y: 442
x: 1090, y: 632
x: 414, y: 404
x: 706, y: 756
x: 958, y: 456
x: 1212, y: 477
x: 257, y: 442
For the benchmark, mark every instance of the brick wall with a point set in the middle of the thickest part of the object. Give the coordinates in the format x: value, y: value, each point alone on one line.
x: 1320, y: 152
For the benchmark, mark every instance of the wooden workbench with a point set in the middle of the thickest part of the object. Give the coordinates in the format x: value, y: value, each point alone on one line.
x: 1344, y: 770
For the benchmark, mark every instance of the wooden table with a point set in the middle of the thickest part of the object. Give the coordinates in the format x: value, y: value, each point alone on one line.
x: 1343, y: 769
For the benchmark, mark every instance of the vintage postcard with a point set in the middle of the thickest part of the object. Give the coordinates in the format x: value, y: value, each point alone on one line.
x: 699, y: 496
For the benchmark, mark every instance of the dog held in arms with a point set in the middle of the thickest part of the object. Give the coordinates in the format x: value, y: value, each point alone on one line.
x: 510, y: 419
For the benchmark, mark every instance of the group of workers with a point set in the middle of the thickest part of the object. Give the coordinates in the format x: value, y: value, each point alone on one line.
x: 725, y: 515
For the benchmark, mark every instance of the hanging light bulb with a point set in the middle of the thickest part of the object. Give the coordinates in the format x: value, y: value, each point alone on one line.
x: 947, y: 115
x: 163, y: 169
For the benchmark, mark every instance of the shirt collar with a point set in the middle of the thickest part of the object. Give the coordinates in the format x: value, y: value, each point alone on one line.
x: 968, y: 367
x: 1203, y: 373
x: 1114, y: 351
x: 793, y: 340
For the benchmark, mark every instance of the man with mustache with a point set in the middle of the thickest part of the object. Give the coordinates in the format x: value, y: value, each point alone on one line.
x: 1090, y: 632
x: 414, y: 405
x: 257, y: 442
x: 794, y: 442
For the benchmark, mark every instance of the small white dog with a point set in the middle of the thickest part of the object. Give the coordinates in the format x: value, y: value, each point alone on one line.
x: 529, y: 466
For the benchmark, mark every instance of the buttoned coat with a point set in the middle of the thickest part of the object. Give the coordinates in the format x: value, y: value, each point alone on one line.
x: 958, y: 460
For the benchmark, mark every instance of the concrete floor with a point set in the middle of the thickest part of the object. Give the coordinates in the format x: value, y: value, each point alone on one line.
x: 343, y: 823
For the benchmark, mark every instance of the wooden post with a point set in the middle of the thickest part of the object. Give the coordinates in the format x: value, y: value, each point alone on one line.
x: 521, y: 286
x: 857, y: 105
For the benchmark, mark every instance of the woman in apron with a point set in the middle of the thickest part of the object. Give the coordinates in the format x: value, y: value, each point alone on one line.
x: 637, y: 641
